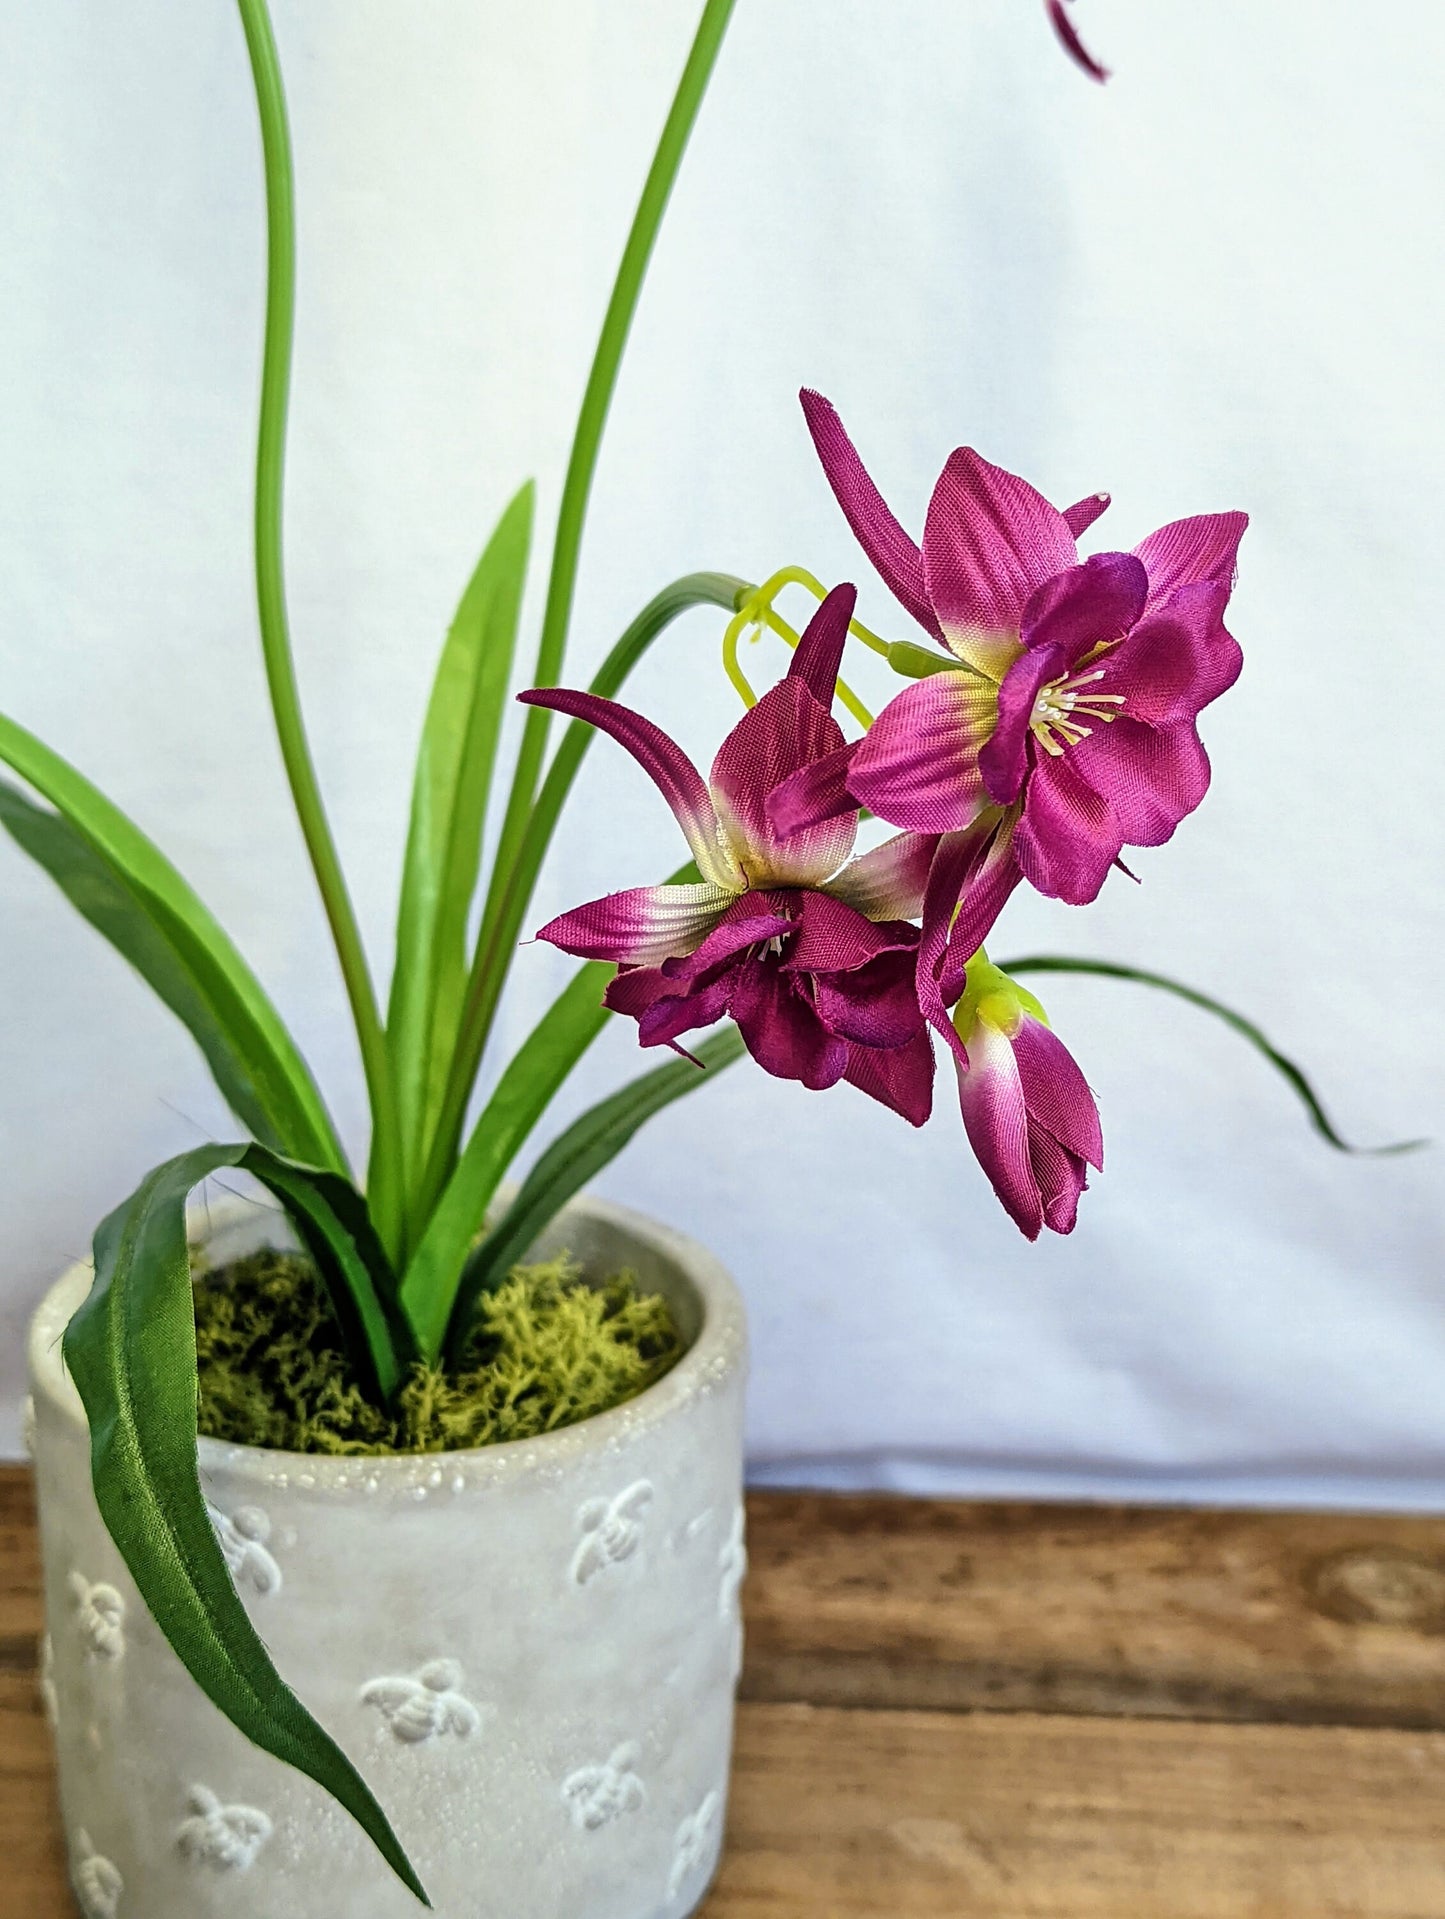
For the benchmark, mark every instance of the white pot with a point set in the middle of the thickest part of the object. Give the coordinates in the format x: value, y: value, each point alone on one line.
x: 529, y: 1650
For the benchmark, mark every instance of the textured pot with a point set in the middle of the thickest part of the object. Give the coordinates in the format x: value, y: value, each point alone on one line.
x: 529, y: 1650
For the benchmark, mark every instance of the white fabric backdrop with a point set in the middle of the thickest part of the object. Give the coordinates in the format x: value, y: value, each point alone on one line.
x: 1215, y: 283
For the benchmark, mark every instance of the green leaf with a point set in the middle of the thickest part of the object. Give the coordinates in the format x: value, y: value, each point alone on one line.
x: 448, y: 812
x: 518, y: 1100
x: 1247, y: 1030
x: 588, y: 1144
x: 131, y: 1349
x: 130, y: 892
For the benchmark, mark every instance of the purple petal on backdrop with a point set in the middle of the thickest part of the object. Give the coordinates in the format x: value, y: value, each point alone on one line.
x: 819, y: 652
x: 1072, y: 44
x: 1055, y: 1091
x: 1069, y: 835
x: 1082, y: 514
x: 973, y: 873
x: 1003, y: 760
x: 875, y: 1006
x: 917, y: 765
x: 665, y: 763
x: 782, y: 1032
x: 989, y: 540
x: 1205, y: 547
x: 893, y: 553
x: 1084, y: 605
x: 833, y: 938
x: 641, y: 926
x: 673, y: 1014
x: 900, y: 1078
x: 991, y: 1099
x: 786, y: 730
x: 1176, y: 660
x: 1151, y: 776
x: 986, y: 892
x: 887, y: 883
x: 816, y: 792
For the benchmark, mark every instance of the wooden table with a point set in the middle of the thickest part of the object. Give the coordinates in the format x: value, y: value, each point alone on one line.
x: 1001, y: 1710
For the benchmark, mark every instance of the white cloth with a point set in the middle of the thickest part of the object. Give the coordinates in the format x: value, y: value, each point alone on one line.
x: 1213, y: 284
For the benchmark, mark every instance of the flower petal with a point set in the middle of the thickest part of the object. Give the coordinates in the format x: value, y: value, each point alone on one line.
x: 664, y: 761
x: 972, y: 876
x: 750, y: 921
x: 1003, y: 760
x: 1082, y: 514
x: 900, y: 1078
x: 816, y: 792
x: 781, y: 1030
x: 917, y: 765
x: 642, y: 926
x: 1152, y: 777
x: 1185, y: 552
x: 1177, y: 659
x: 887, y: 883
x: 1069, y: 836
x: 819, y: 653
x: 833, y: 937
x: 1072, y: 44
x: 786, y: 730
x: 1062, y: 1180
x: 674, y: 1014
x: 875, y: 1006
x: 991, y: 1099
x: 989, y: 540
x: 895, y: 555
x: 1086, y: 606
x: 1055, y: 1091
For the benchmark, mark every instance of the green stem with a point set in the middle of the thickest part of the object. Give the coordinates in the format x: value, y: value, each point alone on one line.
x: 271, y: 601
x: 587, y: 439
x: 497, y: 941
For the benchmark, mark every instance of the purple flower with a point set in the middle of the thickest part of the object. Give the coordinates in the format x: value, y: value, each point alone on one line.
x: 1071, y: 691
x: 813, y: 957
x: 1072, y: 44
x: 1027, y: 1109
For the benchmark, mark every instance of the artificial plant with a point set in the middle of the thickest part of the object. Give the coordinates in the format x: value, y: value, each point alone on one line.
x: 1055, y: 726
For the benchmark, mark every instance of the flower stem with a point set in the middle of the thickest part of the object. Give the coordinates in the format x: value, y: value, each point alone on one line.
x: 271, y: 604
x: 587, y: 440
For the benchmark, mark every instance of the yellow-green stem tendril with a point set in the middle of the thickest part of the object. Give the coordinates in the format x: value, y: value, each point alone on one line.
x: 757, y: 612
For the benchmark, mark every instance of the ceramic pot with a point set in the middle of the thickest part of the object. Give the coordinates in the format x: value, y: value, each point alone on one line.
x: 529, y: 1650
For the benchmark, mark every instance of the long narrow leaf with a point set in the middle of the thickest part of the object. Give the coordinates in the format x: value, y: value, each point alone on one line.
x: 588, y: 1144
x: 520, y: 1097
x: 148, y: 911
x: 448, y: 813
x: 1247, y: 1030
x: 132, y: 1353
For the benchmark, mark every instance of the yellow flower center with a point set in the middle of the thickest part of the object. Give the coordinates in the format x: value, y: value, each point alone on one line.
x: 1064, y: 705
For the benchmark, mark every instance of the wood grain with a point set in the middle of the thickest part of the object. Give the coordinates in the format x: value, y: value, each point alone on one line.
x: 1208, y: 1715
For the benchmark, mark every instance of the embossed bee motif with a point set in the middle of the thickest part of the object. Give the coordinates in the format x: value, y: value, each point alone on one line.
x: 596, y: 1795
x: 242, y: 1537
x: 693, y: 1845
x: 100, y: 1617
x: 424, y: 1705
x: 226, y: 1838
x: 611, y: 1530
x: 45, y: 1681
x: 99, y: 1887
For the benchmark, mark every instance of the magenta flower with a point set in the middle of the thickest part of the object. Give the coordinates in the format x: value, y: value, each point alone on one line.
x: 812, y: 957
x: 1027, y: 1108
x: 1071, y: 695
x: 1072, y: 44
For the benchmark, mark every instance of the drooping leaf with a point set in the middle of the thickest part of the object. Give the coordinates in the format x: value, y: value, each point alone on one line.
x: 448, y: 812
x: 520, y: 1097
x: 129, y: 891
x: 588, y: 1144
x: 1247, y: 1030
x: 131, y: 1350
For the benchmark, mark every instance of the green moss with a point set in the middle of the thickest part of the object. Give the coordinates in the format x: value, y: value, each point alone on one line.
x: 547, y: 1350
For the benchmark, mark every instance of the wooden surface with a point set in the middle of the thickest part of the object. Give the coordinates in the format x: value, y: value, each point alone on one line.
x: 1018, y: 1712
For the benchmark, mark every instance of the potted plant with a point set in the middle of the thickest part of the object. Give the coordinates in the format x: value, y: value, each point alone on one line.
x: 512, y: 1663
